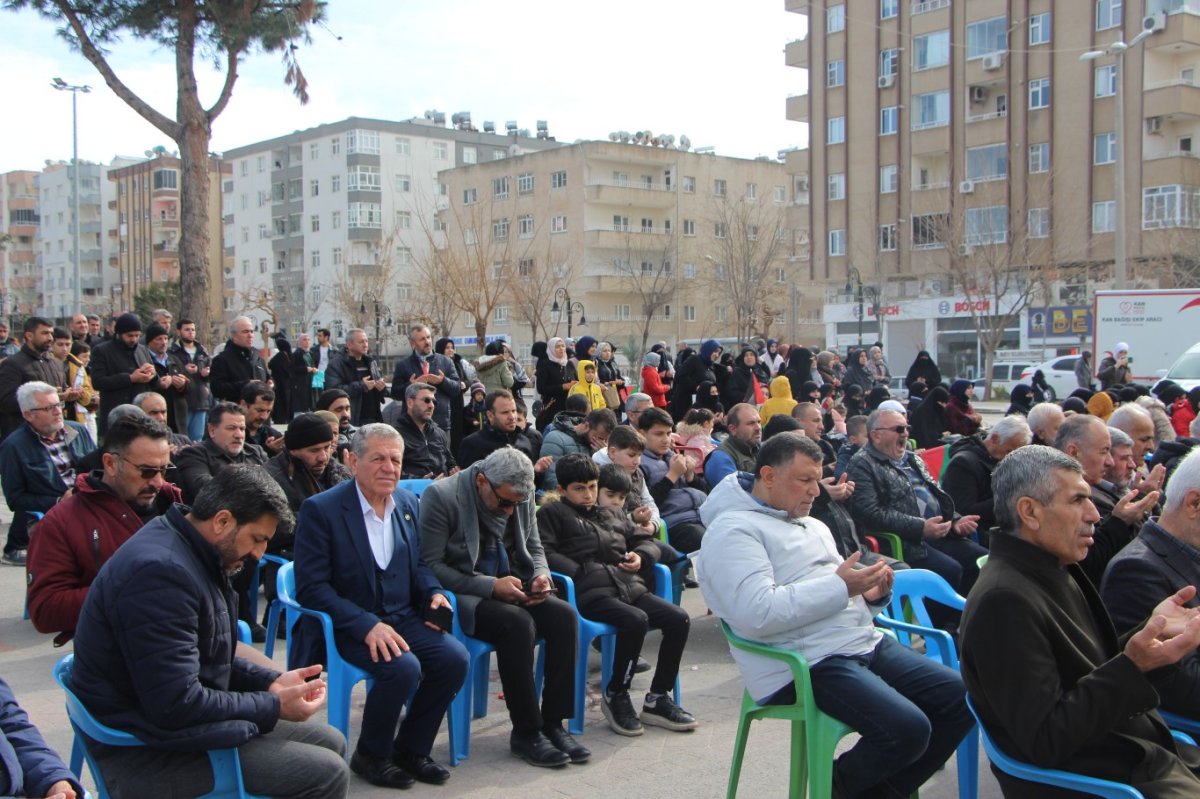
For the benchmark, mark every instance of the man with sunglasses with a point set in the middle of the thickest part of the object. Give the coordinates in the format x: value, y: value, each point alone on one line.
x: 37, y: 462
x: 479, y: 535
x: 82, y: 532
x: 893, y: 493
x: 426, y: 446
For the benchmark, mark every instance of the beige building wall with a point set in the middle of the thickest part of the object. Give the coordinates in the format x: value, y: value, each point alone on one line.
x: 19, y: 222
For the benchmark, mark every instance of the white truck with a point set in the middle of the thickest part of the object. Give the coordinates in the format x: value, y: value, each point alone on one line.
x: 1158, y: 326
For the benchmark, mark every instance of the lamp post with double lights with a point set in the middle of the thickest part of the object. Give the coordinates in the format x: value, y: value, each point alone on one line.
x: 854, y: 284
x: 61, y: 85
x: 570, y: 307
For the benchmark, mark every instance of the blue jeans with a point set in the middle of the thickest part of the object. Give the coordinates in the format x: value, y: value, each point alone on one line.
x: 195, y: 424
x: 910, y: 711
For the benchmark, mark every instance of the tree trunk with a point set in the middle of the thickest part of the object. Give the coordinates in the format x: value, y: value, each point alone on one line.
x: 193, y: 228
x: 480, y: 334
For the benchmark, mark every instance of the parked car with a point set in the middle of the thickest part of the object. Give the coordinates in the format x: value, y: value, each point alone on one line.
x: 897, y: 388
x: 1186, y: 369
x: 1060, y: 376
x: 1007, y: 375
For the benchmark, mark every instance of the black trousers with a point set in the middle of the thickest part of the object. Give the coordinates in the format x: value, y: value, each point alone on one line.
x: 513, y: 630
x: 649, y: 612
x: 686, y: 537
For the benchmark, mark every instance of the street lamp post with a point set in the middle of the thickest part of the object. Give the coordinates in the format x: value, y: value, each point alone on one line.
x: 570, y: 307
x: 381, y: 310
x: 1119, y: 49
x: 854, y: 284
x: 62, y: 86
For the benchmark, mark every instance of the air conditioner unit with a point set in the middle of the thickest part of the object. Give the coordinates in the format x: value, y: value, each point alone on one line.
x: 886, y: 81
x: 966, y: 187
x: 1154, y: 124
x: 1154, y: 22
x: 978, y: 94
x: 993, y: 61
x: 965, y: 249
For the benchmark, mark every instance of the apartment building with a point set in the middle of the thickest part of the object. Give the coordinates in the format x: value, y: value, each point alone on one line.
x: 322, y: 227
x: 19, y: 221
x: 143, y: 242
x: 626, y: 242
x: 950, y: 141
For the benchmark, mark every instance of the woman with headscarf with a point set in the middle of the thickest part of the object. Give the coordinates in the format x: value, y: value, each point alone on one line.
x: 585, y: 349
x: 554, y: 378
x: 916, y: 395
x: 280, y: 366
x: 652, y: 384
x: 445, y: 346
x: 877, y: 366
x: 1074, y: 405
x: 825, y: 361
x: 493, y: 369
x: 857, y: 373
x: 722, y: 370
x: 771, y: 358
x: 876, y: 396
x: 961, y: 417
x: 743, y: 384
x: 1022, y: 401
x: 799, y: 368
x: 928, y: 421
x: 709, y: 396
x: 692, y: 372
x: 853, y: 400
x: 1083, y: 370
x: 1101, y: 405
x: 923, y: 371
x: 1041, y: 388
x: 609, y: 375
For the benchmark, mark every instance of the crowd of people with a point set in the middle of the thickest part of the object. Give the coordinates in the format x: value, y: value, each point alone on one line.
x: 147, y: 480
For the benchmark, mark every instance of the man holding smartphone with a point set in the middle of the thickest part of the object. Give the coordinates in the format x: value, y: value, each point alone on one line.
x: 479, y: 536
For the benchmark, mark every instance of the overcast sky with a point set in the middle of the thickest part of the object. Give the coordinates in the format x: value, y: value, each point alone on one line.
x: 710, y: 69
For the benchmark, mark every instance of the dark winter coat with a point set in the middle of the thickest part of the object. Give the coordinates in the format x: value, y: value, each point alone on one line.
x: 199, y: 463
x: 111, y: 365
x: 28, y: 767
x: 928, y: 421
x: 426, y: 452
x: 968, y: 479
x: 232, y: 369
x: 31, y: 481
x: 298, y: 485
x: 342, y: 373
x: 199, y: 397
x: 24, y: 367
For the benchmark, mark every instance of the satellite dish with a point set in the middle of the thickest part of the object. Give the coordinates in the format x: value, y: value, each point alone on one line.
x: 685, y: 143
x: 614, y: 136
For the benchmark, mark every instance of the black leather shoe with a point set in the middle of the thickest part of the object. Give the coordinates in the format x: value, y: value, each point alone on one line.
x: 258, y: 633
x: 641, y: 666
x: 422, y: 767
x: 563, y: 742
x: 536, y: 750
x: 380, y: 771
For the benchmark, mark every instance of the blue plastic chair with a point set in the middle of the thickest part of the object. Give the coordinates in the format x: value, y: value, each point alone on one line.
x: 341, y: 677
x: 226, y: 765
x: 910, y: 590
x: 1050, y: 776
x: 417, y: 485
x: 1179, y: 723
x: 590, y: 630
x: 273, y: 612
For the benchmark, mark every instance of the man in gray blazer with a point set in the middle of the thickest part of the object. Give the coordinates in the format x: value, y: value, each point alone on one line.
x: 479, y: 536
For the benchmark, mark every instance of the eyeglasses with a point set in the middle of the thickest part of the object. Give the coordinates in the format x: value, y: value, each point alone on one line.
x: 501, y: 501
x: 900, y: 429
x: 148, y: 472
x: 427, y: 400
x: 50, y: 408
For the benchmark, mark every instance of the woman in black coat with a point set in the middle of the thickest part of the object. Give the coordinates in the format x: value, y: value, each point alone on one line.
x: 923, y: 369
x: 697, y: 369
x: 798, y: 369
x: 928, y: 421
x: 1022, y: 400
x: 739, y: 387
x: 445, y: 346
x: 554, y: 378
x: 857, y: 373
x: 280, y: 367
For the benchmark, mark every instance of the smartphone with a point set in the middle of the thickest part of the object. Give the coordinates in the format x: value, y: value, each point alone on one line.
x: 442, y: 617
x: 527, y: 587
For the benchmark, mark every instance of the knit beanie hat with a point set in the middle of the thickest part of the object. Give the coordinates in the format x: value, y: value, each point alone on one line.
x: 153, y: 331
x: 128, y: 323
x: 307, y: 430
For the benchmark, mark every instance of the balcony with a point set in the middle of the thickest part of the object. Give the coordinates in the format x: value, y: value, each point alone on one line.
x: 1170, y: 168
x: 928, y: 5
x: 633, y: 193
x: 86, y: 227
x: 166, y: 249
x: 630, y: 238
x: 795, y: 53
x: 365, y: 271
x: 1171, y: 99
x: 1181, y: 34
x: 796, y: 6
x: 798, y: 108
x: 93, y: 282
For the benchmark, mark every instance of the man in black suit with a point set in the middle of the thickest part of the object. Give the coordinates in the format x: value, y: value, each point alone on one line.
x: 1164, y: 558
x: 358, y: 559
x: 426, y: 366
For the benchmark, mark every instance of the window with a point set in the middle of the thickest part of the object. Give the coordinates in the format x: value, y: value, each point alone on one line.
x: 261, y: 163
x: 1104, y: 148
x: 314, y: 223
x: 404, y: 183
x: 335, y: 183
x: 500, y: 187
x: 1106, y: 80
x: 620, y: 178
x: 500, y: 315
x: 469, y: 237
x: 688, y: 184
x: 364, y: 215
x: 525, y: 183
x: 780, y: 194
x: 889, y: 120
x: 719, y: 187
x: 404, y: 145
x: 986, y: 37
x: 404, y: 220
x: 335, y: 145
x: 835, y: 73
x: 336, y: 220
x: 558, y: 224
x: 262, y: 266
x: 889, y: 178
x: 499, y: 155
x: 525, y: 268
x: 1170, y: 206
x: 689, y: 313
x: 621, y: 312
x: 1104, y: 216
x: 1039, y: 93
x: 245, y: 170
x: 933, y: 110
x: 470, y: 196
x: 718, y: 271
x: 1037, y: 223
x: 314, y: 188
x: 314, y: 259
x: 620, y: 223
x: 987, y: 163
x: 837, y: 242
x: 337, y: 260
x: 1039, y: 157
x: 720, y: 230
x: 987, y: 225
x: 889, y: 62
x: 558, y: 180
x: 363, y: 141
x: 751, y: 191
x: 887, y: 238
x: 525, y: 226
x: 440, y: 150
x: 470, y: 155
x: 264, y: 232
x: 721, y: 313
x: 837, y: 187
x: 926, y: 231
x: 835, y: 18
x: 1108, y: 14
x: 689, y: 227
x: 1039, y: 29
x: 166, y: 179
x: 500, y: 229
x: 245, y: 200
x: 931, y: 50
x: 889, y: 8
x: 836, y: 130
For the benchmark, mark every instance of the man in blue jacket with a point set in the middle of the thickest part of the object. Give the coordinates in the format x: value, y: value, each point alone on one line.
x: 154, y: 656
x: 358, y: 559
x: 28, y: 767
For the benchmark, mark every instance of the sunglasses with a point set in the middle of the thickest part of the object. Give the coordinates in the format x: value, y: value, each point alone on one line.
x: 148, y: 472
x: 900, y: 429
x: 501, y: 501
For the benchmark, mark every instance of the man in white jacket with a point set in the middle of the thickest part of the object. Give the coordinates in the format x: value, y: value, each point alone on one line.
x: 774, y: 575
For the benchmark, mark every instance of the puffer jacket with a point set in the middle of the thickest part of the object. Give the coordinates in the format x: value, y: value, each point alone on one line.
x: 560, y: 439
x: 588, y: 543
x: 592, y: 391
x: 884, y: 502
x: 494, y: 373
x: 968, y: 479
x: 1170, y: 453
x: 774, y: 580
x: 781, y: 400
x: 678, y: 503
x: 28, y: 767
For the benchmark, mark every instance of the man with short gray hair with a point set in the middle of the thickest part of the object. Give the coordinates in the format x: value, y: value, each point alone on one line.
x: 968, y: 478
x: 237, y: 364
x: 1051, y: 681
x: 635, y: 403
x: 479, y: 535
x: 423, y: 365
x: 1044, y: 420
x: 1137, y: 423
x: 354, y: 371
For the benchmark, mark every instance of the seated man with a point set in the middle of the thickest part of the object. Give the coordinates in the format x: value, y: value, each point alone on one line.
x: 585, y: 437
x: 893, y: 493
x: 1050, y: 679
x: 968, y: 478
x: 225, y: 446
x: 38, y: 462
x: 31, y: 768
x: 480, y: 537
x: 153, y: 405
x: 1087, y: 440
x: 808, y: 414
x: 773, y: 574
x: 736, y: 453
x: 500, y: 430
x: 672, y: 480
x: 426, y: 446
x: 84, y: 530
x: 154, y: 656
x: 258, y: 401
x: 1044, y: 420
x: 358, y: 559
x: 635, y: 403
x: 337, y: 402
x: 1120, y: 474
x: 1164, y: 558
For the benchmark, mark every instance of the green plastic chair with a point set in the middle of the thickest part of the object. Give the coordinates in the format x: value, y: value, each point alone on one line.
x: 894, y: 542
x: 814, y: 734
